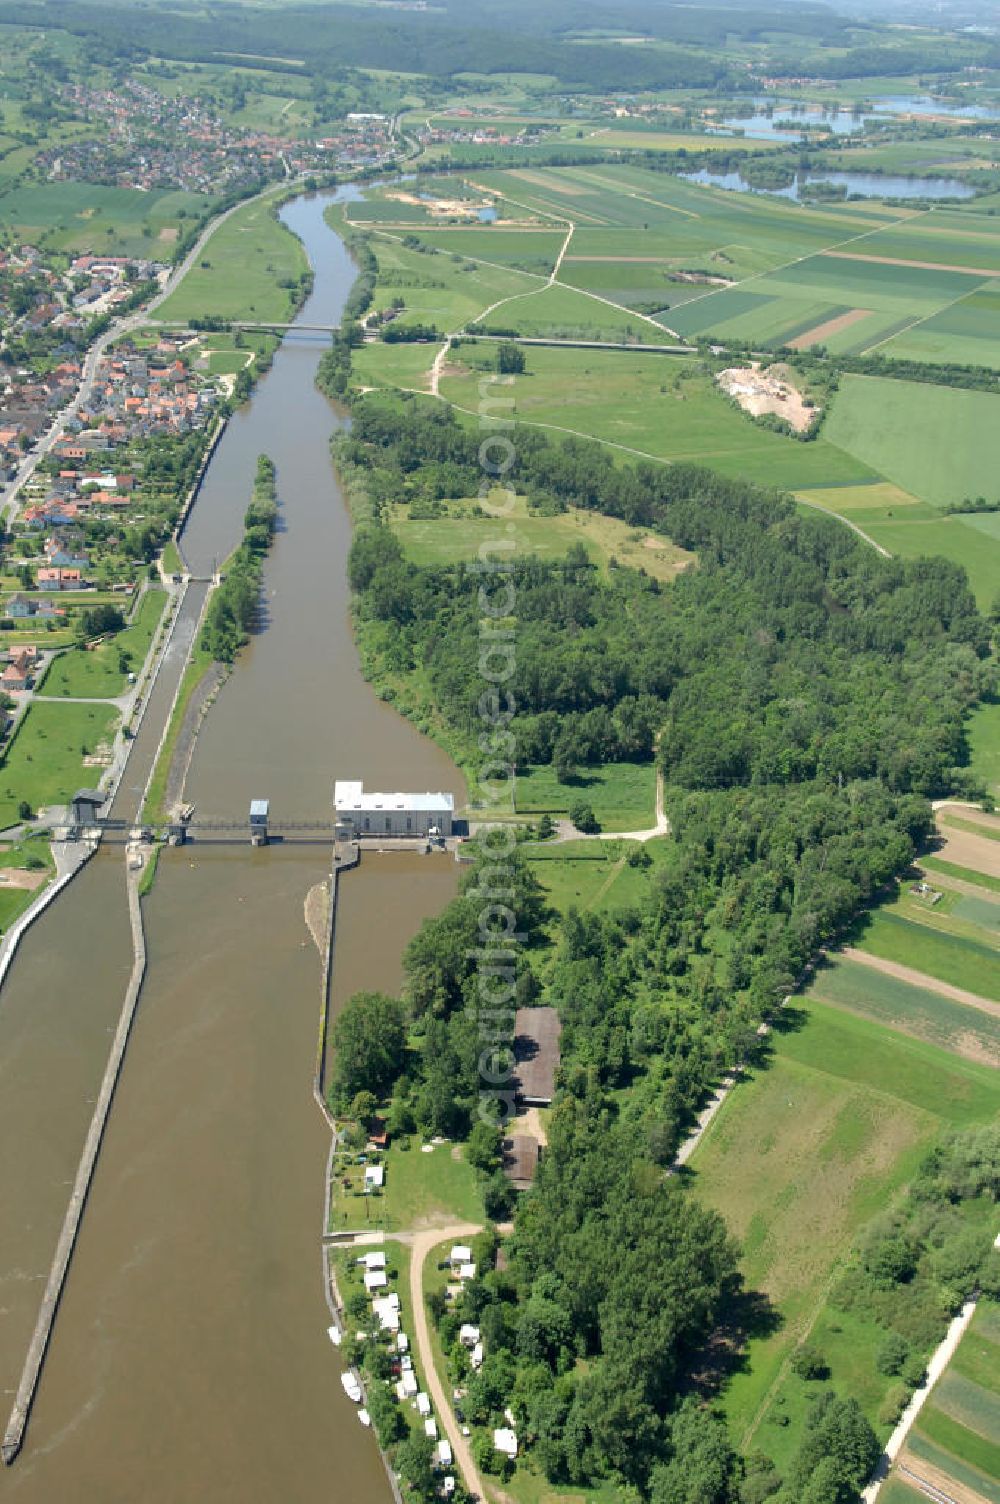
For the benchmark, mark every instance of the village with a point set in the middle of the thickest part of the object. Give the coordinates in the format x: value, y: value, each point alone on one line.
x: 151, y: 140
x: 367, y: 1267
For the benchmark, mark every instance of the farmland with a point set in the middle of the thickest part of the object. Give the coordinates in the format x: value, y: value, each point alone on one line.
x: 913, y: 1010
x: 954, y: 1440
x: 664, y: 406
x: 823, y: 1138
x: 79, y: 217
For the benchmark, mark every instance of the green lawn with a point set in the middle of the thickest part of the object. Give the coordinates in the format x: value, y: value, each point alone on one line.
x: 420, y: 1187
x: 798, y: 1160
x: 96, y: 674
x: 950, y: 958
x: 238, y: 274
x: 45, y: 763
x: 621, y: 794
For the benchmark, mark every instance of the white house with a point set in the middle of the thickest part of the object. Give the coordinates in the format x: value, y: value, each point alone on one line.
x: 476, y: 1356
x: 468, y: 1334
x: 372, y: 1260
x: 505, y: 1441
x: 374, y: 1177
x: 431, y: 1428
x: 460, y: 1254
x: 467, y: 1271
x: 423, y: 1404
x: 376, y: 1279
x: 443, y: 1454
x: 361, y: 814
x: 387, y: 1313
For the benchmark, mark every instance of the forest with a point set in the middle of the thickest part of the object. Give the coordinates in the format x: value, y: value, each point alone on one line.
x: 504, y: 39
x: 804, y: 699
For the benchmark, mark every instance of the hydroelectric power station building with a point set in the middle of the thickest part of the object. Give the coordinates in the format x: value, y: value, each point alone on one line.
x: 361, y: 814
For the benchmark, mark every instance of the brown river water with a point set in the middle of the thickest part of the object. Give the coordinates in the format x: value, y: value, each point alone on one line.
x: 189, y: 1359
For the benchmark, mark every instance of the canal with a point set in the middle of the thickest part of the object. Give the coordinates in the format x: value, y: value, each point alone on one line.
x: 189, y: 1358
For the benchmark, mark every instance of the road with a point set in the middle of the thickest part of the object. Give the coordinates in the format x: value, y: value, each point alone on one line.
x: 421, y: 1245
x: 117, y: 331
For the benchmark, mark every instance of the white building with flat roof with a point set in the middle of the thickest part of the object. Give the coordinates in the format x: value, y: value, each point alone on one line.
x: 361, y: 814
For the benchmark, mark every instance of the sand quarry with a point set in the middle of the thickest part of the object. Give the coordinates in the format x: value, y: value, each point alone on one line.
x: 759, y: 390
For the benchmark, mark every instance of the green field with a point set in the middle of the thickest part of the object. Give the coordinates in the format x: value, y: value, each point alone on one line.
x: 45, y: 763
x: 951, y: 958
x: 952, y: 1465
x: 798, y: 1160
x: 459, y: 533
x: 594, y: 874
x: 913, y: 1010
x: 238, y: 273
x: 421, y: 1186
x: 78, y: 217
x: 621, y: 794
x: 96, y: 674
x: 661, y: 405
x: 939, y: 443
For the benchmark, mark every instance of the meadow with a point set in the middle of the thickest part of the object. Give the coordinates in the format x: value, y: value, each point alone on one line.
x: 621, y: 794
x: 823, y: 1138
x: 239, y: 272
x: 941, y: 444
x: 459, y: 532
x: 45, y: 762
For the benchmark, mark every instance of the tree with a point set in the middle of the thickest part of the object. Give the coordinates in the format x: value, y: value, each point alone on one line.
x: 702, y: 1468
x: 510, y: 359
x: 809, y: 1363
x: 582, y: 815
x: 369, y: 1041
x: 483, y: 1147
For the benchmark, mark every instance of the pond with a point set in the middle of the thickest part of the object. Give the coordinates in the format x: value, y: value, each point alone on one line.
x: 866, y: 184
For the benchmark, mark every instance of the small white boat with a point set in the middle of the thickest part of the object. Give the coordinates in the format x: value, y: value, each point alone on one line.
x: 364, y: 1417
x: 335, y: 1334
x: 351, y: 1386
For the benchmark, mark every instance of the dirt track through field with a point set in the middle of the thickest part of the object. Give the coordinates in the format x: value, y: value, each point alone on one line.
x: 927, y: 266
x: 921, y: 979
x: 914, y: 1470
x: 831, y: 326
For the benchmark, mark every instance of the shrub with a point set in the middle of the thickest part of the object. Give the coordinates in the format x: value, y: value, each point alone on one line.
x: 809, y: 1363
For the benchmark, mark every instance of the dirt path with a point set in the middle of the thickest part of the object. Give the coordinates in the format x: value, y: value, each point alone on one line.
x: 420, y: 1247
x: 936, y: 1484
x: 921, y: 979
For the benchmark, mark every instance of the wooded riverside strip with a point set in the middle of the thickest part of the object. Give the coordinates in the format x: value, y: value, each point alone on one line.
x: 804, y: 698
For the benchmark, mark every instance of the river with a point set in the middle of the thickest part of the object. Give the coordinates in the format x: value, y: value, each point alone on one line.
x: 189, y: 1359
